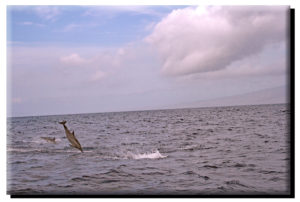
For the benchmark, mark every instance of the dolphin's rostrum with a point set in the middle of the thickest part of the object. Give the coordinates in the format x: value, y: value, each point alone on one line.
x: 71, y: 137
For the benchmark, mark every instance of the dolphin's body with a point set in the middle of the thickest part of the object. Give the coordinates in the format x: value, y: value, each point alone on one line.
x: 71, y: 137
x: 49, y: 139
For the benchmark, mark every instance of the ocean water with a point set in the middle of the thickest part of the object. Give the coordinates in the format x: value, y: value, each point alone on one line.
x: 202, y: 151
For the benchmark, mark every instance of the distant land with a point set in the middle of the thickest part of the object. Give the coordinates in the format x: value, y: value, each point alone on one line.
x: 267, y: 96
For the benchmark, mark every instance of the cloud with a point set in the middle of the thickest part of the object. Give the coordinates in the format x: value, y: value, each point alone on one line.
x: 245, y: 68
x: 96, y: 63
x: 206, y: 39
x: 28, y: 23
x: 271, y: 61
x: 98, y: 76
x: 49, y: 13
x: 112, y: 11
x: 71, y: 26
x: 78, y: 26
x: 73, y: 59
x: 85, y: 71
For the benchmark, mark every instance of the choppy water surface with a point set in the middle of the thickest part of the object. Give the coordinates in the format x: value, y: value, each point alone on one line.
x: 222, y: 150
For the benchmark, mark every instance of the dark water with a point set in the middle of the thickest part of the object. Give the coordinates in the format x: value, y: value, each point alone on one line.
x: 222, y: 150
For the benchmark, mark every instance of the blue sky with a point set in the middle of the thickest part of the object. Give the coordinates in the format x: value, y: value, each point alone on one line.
x: 80, y: 59
x: 82, y: 25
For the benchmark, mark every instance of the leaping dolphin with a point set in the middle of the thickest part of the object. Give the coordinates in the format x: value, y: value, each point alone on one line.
x: 71, y: 137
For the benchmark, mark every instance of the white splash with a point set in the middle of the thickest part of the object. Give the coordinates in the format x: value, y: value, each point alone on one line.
x: 153, y: 155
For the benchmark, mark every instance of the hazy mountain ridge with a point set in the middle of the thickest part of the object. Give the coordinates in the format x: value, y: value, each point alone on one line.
x: 267, y: 96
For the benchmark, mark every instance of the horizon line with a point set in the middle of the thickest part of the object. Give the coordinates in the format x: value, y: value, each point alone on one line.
x: 141, y: 110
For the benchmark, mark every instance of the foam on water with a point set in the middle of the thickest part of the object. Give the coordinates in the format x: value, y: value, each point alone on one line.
x: 152, y: 155
x: 40, y: 140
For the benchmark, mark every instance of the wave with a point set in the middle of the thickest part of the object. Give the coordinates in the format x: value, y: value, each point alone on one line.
x: 235, y: 183
x: 40, y: 140
x: 196, y: 147
x: 44, y: 150
x: 23, y: 150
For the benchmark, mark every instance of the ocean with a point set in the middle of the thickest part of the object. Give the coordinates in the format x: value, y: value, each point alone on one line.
x: 238, y: 150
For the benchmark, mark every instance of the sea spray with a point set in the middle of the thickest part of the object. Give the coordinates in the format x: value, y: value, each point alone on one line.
x: 148, y: 155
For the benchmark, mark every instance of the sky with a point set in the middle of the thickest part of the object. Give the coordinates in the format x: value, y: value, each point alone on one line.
x: 85, y: 59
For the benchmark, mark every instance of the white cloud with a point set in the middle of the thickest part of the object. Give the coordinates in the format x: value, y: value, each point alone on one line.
x: 271, y: 61
x: 47, y: 12
x: 98, y: 75
x: 197, y: 40
x: 97, y: 63
x: 78, y: 26
x: 245, y: 68
x: 73, y: 59
x: 71, y: 26
x: 28, y: 23
x: 112, y: 11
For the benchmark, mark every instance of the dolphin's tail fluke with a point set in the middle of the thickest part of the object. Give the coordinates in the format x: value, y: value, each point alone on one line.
x: 62, y: 122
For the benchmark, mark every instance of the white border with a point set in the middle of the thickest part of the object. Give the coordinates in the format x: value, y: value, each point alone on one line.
x: 152, y: 2
x: 4, y: 3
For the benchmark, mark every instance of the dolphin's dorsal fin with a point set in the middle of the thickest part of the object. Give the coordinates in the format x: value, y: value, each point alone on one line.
x: 73, y: 132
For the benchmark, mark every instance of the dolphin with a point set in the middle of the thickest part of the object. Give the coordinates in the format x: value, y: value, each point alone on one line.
x: 71, y: 137
x: 49, y: 139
